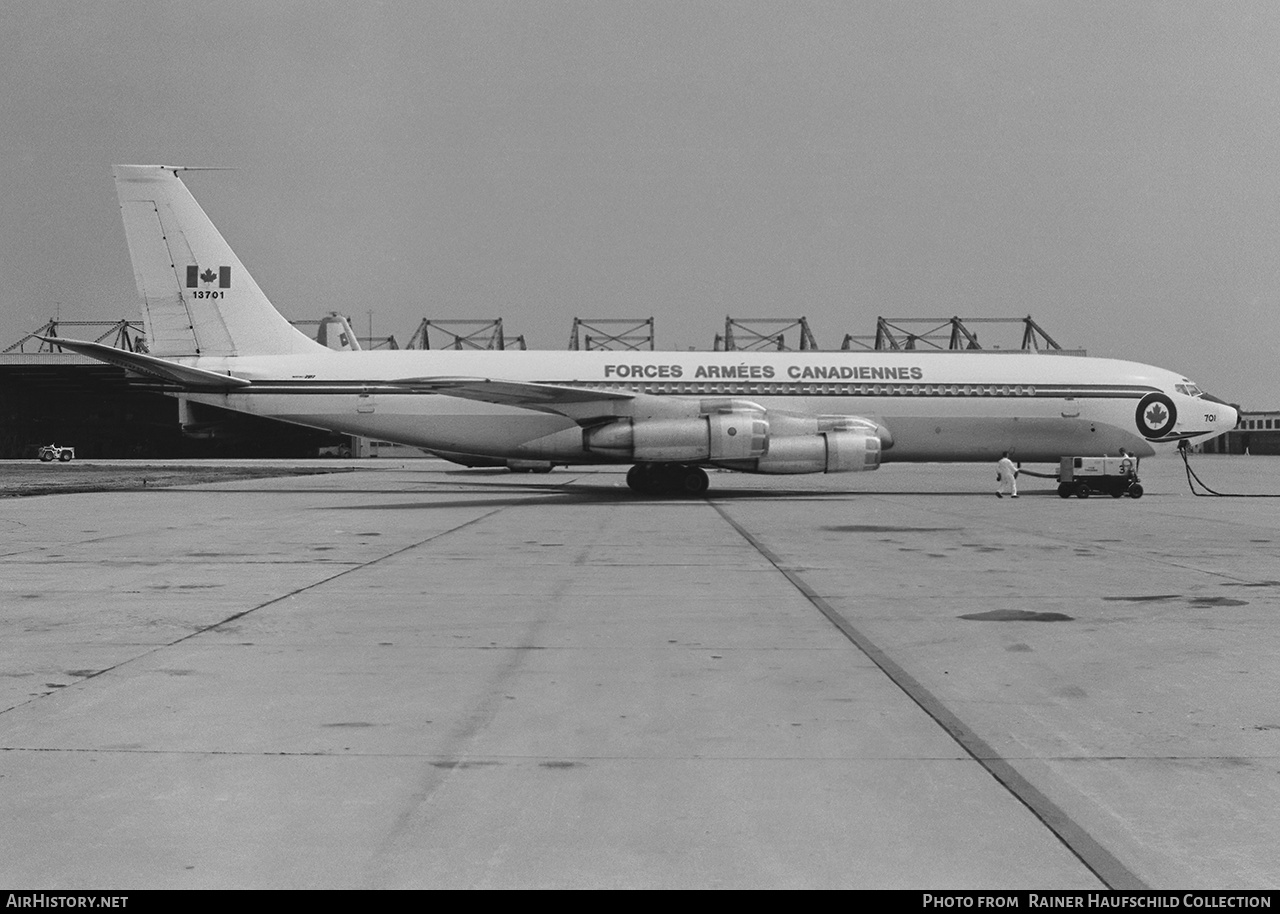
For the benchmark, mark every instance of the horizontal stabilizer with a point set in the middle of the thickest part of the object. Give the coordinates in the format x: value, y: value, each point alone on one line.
x: 182, y: 375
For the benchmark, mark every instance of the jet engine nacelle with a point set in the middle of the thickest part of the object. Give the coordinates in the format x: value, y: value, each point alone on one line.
x: 738, y: 435
x: 828, y: 452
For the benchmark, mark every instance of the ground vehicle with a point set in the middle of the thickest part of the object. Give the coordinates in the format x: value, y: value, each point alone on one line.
x: 56, y: 452
x: 1085, y: 476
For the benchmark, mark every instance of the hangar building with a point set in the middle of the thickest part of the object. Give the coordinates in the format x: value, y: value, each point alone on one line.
x: 49, y: 397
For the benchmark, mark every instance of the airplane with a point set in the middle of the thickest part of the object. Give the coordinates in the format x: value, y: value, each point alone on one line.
x: 215, y: 340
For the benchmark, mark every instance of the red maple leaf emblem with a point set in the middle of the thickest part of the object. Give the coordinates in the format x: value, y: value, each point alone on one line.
x: 208, y: 275
x: 1156, y: 416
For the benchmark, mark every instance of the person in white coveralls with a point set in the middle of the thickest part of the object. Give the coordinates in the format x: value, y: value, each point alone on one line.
x: 1006, y: 476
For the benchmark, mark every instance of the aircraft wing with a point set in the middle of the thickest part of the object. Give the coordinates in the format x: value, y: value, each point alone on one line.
x: 578, y: 403
x: 183, y: 375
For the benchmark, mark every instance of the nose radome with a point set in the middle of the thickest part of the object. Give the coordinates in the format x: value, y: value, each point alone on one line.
x: 1228, y: 417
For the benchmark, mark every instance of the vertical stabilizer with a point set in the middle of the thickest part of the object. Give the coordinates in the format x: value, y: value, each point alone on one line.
x: 197, y: 297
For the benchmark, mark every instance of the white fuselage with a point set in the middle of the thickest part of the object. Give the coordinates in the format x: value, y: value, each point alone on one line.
x: 936, y: 406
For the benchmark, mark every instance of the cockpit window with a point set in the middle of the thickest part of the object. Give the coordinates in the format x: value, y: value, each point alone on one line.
x: 1189, y: 389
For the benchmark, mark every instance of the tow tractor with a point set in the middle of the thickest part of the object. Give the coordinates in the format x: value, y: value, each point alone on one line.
x: 1085, y: 476
x: 55, y: 452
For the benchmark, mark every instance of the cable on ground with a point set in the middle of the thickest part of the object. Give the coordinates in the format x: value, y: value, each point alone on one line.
x: 1185, y: 451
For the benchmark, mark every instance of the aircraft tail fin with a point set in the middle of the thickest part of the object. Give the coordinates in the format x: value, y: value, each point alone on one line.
x: 335, y: 333
x: 197, y: 297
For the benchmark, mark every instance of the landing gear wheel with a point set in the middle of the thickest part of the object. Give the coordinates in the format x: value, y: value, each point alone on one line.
x: 667, y: 479
x: 652, y: 478
x: 694, y: 482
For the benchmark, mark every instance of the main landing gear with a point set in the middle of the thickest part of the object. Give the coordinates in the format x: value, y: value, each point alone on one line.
x: 667, y: 479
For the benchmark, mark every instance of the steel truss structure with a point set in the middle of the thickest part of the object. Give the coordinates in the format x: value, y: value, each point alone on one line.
x: 463, y: 334
x: 948, y: 333
x: 637, y: 334
x: 122, y: 334
x: 768, y: 333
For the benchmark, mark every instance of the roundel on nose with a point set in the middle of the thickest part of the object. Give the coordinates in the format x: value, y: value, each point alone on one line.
x: 1156, y: 416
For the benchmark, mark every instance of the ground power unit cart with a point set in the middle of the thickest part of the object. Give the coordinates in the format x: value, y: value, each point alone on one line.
x: 1085, y: 476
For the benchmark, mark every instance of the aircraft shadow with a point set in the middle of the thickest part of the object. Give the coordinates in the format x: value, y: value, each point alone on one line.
x: 509, y: 495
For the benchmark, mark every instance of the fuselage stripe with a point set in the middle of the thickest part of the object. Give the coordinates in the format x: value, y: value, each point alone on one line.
x: 739, y: 388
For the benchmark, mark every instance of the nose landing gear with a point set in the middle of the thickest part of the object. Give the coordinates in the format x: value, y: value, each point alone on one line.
x: 667, y: 479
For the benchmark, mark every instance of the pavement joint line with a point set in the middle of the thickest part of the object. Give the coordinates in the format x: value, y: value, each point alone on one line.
x: 498, y: 756
x: 240, y: 615
x: 1101, y: 862
x: 334, y: 577
x: 692, y: 757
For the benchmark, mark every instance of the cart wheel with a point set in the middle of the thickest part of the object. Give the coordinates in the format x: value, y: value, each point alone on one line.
x: 1135, y: 491
x: 1082, y: 490
x: 1064, y: 490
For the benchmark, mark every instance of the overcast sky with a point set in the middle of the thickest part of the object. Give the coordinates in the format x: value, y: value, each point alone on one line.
x: 1111, y: 169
